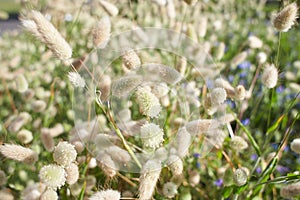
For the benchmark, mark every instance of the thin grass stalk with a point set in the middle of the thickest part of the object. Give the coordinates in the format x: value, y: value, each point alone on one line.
x: 250, y: 137
x: 119, y: 133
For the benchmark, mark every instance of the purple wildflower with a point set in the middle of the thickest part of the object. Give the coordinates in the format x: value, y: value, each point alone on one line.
x: 219, y: 182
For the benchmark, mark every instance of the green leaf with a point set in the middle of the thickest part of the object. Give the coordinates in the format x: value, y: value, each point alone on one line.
x: 227, y: 191
x: 241, y: 189
x: 276, y: 124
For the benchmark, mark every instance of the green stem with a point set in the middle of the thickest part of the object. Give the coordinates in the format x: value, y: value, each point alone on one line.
x: 278, y: 50
x: 119, y: 133
x: 250, y: 137
x: 272, y: 91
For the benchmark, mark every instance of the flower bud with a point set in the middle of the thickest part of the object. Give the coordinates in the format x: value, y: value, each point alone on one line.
x: 270, y: 76
x: 295, y: 145
x: 170, y: 190
x: 240, y: 177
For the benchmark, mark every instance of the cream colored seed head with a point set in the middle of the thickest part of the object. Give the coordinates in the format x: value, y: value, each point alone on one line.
x: 286, y: 18
x: 109, y: 7
x: 64, y: 154
x: 101, y: 33
x: 18, y: 153
x: 295, y: 145
x: 270, y: 76
x: 170, y: 190
x: 53, y: 176
x: 106, y: 195
x: 130, y: 59
x: 291, y: 190
x: 52, y: 37
x: 148, y: 179
x: 72, y: 174
x: 240, y: 92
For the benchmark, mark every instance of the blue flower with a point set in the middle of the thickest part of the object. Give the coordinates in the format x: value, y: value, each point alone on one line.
x: 196, y: 155
x: 280, y: 89
x: 198, y: 164
x: 282, y: 170
x: 230, y: 103
x: 243, y: 74
x: 244, y: 65
x: 246, y: 121
x: 258, y: 170
x: 219, y: 182
x: 254, y: 156
x: 275, y: 146
x: 230, y: 78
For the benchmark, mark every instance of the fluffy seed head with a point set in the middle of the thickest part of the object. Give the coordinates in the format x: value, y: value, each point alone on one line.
x: 64, y: 154
x: 53, y: 176
x: 286, y: 18
x: 171, y: 9
x: 107, y: 165
x: 160, y: 73
x: 218, y: 96
x: 33, y: 191
x: 239, y: 58
x: 295, y: 145
x: 106, y: 195
x: 148, y: 102
x: 238, y: 143
x: 47, y: 139
x: 38, y: 105
x: 222, y: 83
x: 191, y: 32
x: 52, y: 37
x: 220, y: 51
x: 270, y: 76
x: 118, y: 154
x: 56, y: 130
x: 202, y: 26
x: 18, y: 153
x: 125, y: 85
x: 290, y: 190
x: 101, y: 33
x: 170, y: 189
x: 199, y: 126
x: 49, y: 194
x: 5, y: 194
x: 240, y: 177
x: 31, y: 26
x: 148, y: 179
x: 109, y: 7
x: 130, y: 59
x: 183, y: 142
x: 261, y: 57
x: 176, y: 165
x: 151, y: 135
x: 76, y: 80
x: 255, y: 42
x: 21, y: 83
x: 194, y: 178
x: 25, y: 136
x: 240, y: 92
x: 72, y: 174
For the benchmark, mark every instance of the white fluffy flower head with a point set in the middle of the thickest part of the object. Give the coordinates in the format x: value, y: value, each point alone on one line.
x: 270, y: 76
x: 218, y: 96
x: 106, y: 195
x: 76, y: 80
x: 64, y: 154
x: 53, y: 176
x: 148, y: 102
x: 151, y: 135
